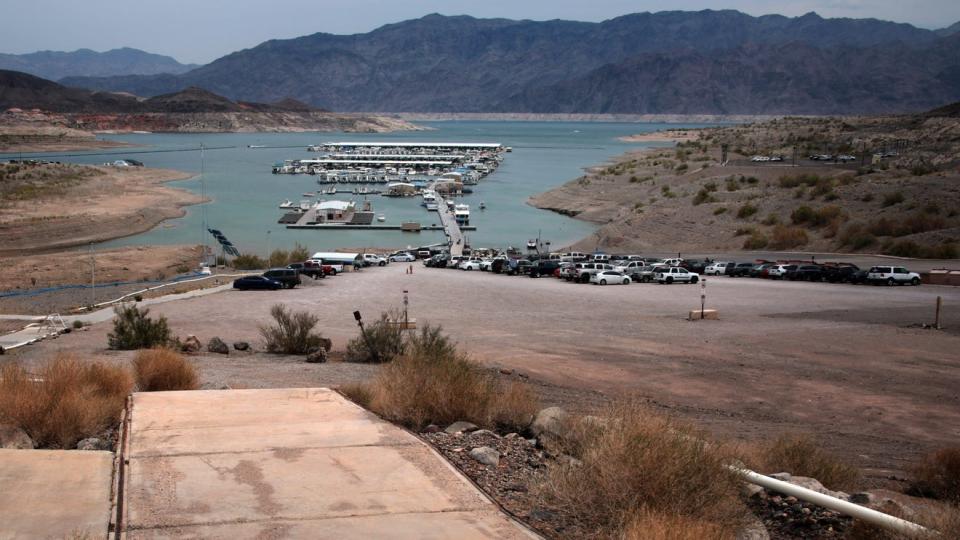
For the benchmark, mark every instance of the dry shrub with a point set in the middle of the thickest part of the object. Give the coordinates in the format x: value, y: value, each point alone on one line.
x: 637, y: 462
x: 160, y: 370
x: 68, y: 400
x: 435, y: 384
x: 648, y: 525
x: 800, y: 455
x: 293, y: 332
x: 381, y: 341
x: 133, y: 329
x: 938, y: 475
x: 784, y: 237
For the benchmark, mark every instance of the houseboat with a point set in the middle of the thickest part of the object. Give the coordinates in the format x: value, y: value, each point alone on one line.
x: 461, y: 213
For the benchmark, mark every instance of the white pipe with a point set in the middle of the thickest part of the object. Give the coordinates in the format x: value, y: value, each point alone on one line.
x: 838, y: 505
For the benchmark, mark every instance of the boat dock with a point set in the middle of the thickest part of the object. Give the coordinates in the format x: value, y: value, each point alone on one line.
x: 309, y: 220
x: 452, y: 228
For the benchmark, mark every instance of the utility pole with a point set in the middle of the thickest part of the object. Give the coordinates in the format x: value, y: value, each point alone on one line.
x: 93, y: 277
x: 268, y: 245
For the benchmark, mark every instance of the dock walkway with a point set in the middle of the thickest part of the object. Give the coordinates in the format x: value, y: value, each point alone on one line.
x: 451, y: 227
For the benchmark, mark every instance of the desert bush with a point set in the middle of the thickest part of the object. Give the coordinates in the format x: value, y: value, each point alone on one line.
x: 808, y: 180
x: 746, y: 211
x: 68, y: 400
x: 649, y: 525
x: 856, y: 236
x: 937, y: 475
x: 667, y: 192
x: 771, y: 219
x: 909, y: 248
x: 441, y: 386
x: 249, y: 262
x: 682, y: 167
x: 292, y: 332
x: 720, y: 210
x: 741, y: 231
x: 382, y: 336
x: 703, y: 196
x: 279, y: 258
x: 636, y: 463
x: 915, y: 223
x: 78, y: 324
x: 298, y: 254
x: 802, y: 214
x: 133, y: 329
x: 757, y: 240
x: 800, y: 455
x: 732, y: 184
x: 784, y: 237
x: 891, y: 199
x: 160, y: 370
x: 429, y: 342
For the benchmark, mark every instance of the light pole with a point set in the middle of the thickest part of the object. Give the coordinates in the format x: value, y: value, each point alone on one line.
x: 268, y: 244
x: 93, y: 277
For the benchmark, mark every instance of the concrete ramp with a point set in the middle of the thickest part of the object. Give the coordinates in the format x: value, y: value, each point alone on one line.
x: 289, y: 463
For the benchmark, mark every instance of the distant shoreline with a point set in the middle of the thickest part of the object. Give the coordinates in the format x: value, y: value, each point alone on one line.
x: 582, y: 117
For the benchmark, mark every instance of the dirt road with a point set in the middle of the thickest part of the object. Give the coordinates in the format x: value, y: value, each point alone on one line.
x: 848, y: 363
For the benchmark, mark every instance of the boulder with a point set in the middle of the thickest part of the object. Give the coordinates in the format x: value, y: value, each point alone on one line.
x: 216, y: 345
x: 460, y: 427
x: 93, y: 443
x: 549, y: 421
x: 191, y: 345
x: 241, y: 346
x: 486, y: 455
x: 432, y: 428
x: 14, y: 438
x: 753, y: 529
x: 484, y: 432
x: 814, y: 485
x: 318, y: 356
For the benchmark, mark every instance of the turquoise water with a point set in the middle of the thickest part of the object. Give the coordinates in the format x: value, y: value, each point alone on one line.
x: 245, y: 195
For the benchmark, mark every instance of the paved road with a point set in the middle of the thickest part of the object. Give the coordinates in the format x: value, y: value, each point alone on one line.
x: 452, y: 228
x: 290, y: 463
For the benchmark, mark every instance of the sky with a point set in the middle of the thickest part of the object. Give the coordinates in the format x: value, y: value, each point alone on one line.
x: 199, y: 31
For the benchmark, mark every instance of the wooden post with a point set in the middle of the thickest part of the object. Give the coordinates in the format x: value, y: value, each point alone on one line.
x: 936, y: 322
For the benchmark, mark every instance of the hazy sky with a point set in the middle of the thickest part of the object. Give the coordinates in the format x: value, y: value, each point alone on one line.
x: 202, y: 30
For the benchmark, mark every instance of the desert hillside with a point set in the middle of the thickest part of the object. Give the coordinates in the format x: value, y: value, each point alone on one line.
x: 895, y: 191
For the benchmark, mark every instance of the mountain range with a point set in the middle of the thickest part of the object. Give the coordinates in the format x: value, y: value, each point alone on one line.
x: 56, y: 65
x: 705, y: 62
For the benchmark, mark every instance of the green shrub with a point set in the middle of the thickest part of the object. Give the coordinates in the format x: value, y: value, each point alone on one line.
x: 682, y: 167
x: 803, y: 214
x: 757, y: 240
x: 665, y: 190
x: 292, y: 332
x: 746, y: 211
x: 771, y: 219
x: 249, y: 262
x: 703, y: 196
x: 382, y: 336
x: 133, y: 329
x: 279, y: 258
x: 78, y: 324
x: 720, y: 210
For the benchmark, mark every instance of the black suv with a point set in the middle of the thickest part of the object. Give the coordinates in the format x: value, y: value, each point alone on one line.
x: 805, y: 272
x: 313, y: 270
x: 544, y: 268
x: 740, y: 270
x: 288, y: 277
x: 842, y: 273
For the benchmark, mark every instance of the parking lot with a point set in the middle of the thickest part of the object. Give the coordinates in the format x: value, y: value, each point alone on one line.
x: 849, y: 363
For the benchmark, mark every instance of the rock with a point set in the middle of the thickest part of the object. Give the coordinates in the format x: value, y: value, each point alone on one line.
x: 749, y: 490
x: 14, y: 438
x: 506, y: 371
x: 432, y: 428
x: 783, y: 476
x: 216, y: 345
x: 318, y: 356
x: 191, y: 345
x: 241, y: 346
x: 754, y: 529
x: 460, y: 427
x: 93, y: 443
x: 549, y: 421
x: 486, y: 455
x: 511, y: 435
x: 484, y: 432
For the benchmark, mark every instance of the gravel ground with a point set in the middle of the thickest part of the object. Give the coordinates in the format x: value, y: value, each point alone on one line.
x: 844, y: 362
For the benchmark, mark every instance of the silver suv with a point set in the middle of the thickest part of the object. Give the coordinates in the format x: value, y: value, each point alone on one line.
x: 891, y: 275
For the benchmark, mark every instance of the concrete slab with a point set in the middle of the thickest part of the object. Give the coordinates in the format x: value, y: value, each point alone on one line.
x: 54, y: 493
x: 290, y: 463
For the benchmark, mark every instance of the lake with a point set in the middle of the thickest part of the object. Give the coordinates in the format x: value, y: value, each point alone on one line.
x: 245, y: 195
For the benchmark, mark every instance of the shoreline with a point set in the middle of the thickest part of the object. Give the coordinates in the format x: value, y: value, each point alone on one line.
x: 584, y: 117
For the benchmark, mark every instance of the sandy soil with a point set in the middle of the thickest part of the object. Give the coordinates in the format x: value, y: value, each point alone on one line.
x: 34, y: 131
x: 119, y: 202
x: 670, y: 135
x: 848, y: 363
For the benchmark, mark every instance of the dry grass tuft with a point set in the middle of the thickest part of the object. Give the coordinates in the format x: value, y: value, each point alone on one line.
x: 159, y: 370
x: 938, y: 475
x: 639, y: 468
x: 648, y: 525
x: 800, y: 455
x: 66, y: 401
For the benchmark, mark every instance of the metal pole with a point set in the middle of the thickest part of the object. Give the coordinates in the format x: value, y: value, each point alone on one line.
x: 268, y: 245
x: 93, y: 277
x: 363, y: 332
x: 703, y: 297
x: 936, y: 321
x: 406, y: 318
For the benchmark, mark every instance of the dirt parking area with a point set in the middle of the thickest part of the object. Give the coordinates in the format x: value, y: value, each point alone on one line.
x: 850, y: 364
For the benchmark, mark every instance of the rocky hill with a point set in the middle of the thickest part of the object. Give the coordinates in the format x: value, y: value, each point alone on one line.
x: 666, y: 62
x: 125, y: 61
x: 898, y: 195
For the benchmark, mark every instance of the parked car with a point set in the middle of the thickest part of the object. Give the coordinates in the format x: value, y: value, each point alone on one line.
x: 287, y: 277
x: 256, y: 283
x: 629, y: 267
x: 518, y: 267
x: 842, y: 273
x: 779, y: 271
x: 544, y: 268
x: 470, y: 264
x: 309, y: 269
x: 892, y: 275
x: 401, y: 257
x: 649, y: 273
x: 761, y: 270
x: 454, y: 262
x: 436, y: 261
x: 609, y: 277
x: 805, y: 272
x: 742, y: 270
x: 587, y: 269
x: 718, y: 268
x: 372, y: 259
x: 676, y: 275
x: 696, y: 266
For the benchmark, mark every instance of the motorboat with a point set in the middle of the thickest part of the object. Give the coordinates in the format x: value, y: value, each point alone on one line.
x: 532, y: 244
x: 287, y: 205
x: 381, y: 218
x: 483, y: 205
